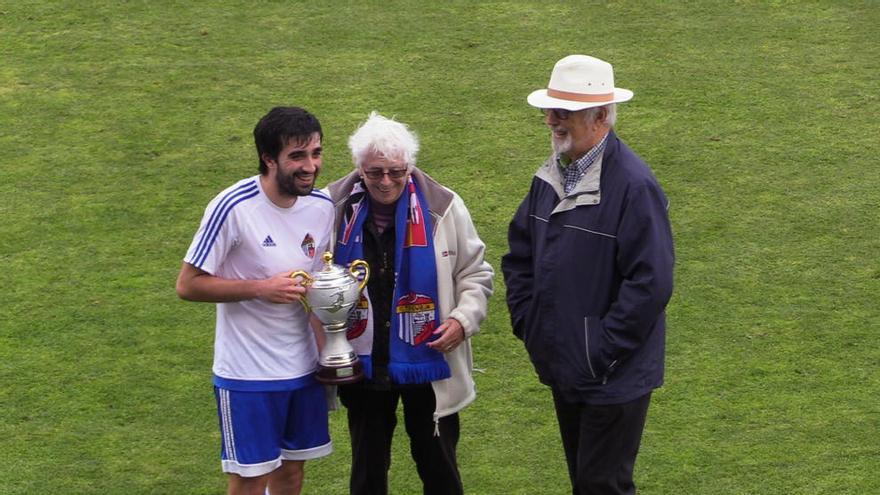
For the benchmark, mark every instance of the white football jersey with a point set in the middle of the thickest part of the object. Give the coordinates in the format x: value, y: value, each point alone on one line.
x: 243, y: 235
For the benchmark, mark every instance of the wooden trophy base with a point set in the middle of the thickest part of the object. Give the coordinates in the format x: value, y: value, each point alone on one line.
x: 340, y: 375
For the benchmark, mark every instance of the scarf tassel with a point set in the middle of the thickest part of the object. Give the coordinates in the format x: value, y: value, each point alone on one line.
x: 411, y: 373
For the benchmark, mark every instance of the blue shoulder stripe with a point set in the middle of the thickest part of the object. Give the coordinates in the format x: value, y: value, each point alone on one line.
x: 213, y: 236
x: 218, y: 216
x: 319, y: 194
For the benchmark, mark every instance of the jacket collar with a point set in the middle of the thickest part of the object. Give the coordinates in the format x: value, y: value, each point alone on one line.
x: 588, y: 190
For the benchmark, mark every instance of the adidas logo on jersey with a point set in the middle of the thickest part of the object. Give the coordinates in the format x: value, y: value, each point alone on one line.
x: 268, y: 242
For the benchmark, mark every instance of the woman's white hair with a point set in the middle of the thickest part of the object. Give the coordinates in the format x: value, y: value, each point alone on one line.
x: 386, y: 137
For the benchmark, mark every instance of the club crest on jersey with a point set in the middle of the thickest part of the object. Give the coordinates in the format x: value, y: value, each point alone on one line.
x: 308, y: 246
x: 415, y: 313
x: 357, y: 319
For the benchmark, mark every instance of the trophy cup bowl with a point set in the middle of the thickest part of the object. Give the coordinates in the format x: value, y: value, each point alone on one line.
x: 332, y: 293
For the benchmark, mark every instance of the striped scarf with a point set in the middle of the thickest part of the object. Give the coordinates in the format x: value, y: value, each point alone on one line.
x: 415, y: 288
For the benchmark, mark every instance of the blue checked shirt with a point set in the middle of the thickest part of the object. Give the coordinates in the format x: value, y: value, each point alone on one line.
x: 573, y: 172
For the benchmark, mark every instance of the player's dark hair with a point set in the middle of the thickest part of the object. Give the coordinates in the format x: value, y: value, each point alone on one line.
x: 281, y: 126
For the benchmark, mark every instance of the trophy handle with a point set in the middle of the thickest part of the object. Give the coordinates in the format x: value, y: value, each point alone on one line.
x: 306, y: 281
x: 366, y: 269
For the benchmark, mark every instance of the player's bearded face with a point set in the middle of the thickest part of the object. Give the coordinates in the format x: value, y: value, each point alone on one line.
x: 297, y: 166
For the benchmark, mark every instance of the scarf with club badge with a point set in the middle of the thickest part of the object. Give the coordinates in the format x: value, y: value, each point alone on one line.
x: 415, y: 289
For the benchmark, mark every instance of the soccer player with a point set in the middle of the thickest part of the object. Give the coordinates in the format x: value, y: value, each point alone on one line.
x: 254, y: 234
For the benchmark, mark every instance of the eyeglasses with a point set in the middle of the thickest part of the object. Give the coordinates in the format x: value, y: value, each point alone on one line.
x: 378, y: 174
x: 559, y: 113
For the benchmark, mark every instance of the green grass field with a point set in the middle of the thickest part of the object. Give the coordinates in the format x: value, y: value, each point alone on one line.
x: 120, y: 120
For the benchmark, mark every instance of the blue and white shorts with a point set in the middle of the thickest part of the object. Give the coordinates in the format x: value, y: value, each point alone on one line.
x: 260, y: 429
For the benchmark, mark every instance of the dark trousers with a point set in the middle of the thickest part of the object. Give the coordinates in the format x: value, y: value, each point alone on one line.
x: 601, y: 444
x: 372, y: 416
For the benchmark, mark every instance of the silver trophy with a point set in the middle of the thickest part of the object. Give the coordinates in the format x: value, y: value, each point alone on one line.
x: 332, y: 293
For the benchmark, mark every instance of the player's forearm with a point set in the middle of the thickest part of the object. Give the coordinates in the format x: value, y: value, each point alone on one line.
x: 203, y: 287
x: 222, y: 290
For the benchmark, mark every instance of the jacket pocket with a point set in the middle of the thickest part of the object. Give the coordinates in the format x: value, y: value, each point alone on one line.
x: 577, y: 352
x: 601, y: 365
x: 590, y: 367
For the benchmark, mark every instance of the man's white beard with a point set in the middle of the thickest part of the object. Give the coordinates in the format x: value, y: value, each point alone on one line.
x: 561, y: 146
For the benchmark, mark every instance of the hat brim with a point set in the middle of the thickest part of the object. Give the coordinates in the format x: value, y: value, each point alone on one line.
x: 539, y: 99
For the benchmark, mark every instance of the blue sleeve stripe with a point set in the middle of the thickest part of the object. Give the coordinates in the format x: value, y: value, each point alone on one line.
x: 204, y: 256
x: 215, y: 215
x: 321, y: 195
x: 218, y: 216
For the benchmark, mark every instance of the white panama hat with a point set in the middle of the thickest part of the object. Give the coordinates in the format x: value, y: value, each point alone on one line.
x: 579, y: 82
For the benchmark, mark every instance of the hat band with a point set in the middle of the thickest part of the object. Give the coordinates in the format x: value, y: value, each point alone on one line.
x: 565, y: 95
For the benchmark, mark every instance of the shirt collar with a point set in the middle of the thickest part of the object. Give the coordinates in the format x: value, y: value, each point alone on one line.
x: 573, y: 171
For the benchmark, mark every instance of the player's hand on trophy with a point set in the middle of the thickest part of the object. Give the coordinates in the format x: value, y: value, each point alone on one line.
x: 282, y: 289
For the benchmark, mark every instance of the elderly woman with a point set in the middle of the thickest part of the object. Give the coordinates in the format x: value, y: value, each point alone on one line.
x: 412, y: 331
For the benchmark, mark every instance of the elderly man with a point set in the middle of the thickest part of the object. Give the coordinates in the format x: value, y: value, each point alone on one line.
x: 589, y: 274
x: 426, y: 296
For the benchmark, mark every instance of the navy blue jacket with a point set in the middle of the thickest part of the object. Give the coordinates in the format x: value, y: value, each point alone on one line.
x: 588, y: 277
